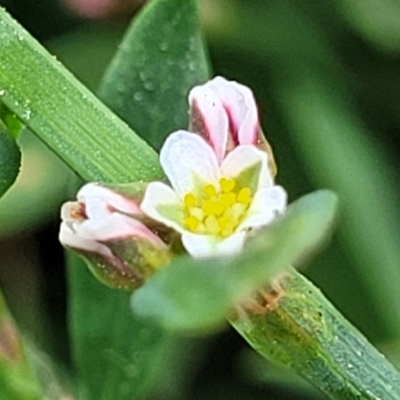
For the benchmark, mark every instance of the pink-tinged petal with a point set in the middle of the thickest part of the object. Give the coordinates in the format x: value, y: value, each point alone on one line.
x: 239, y: 103
x: 188, y: 161
x: 115, y: 227
x: 209, y: 118
x: 243, y: 158
x: 266, y: 205
x: 162, y: 204
x: 203, y: 246
x: 69, y: 238
x: 100, y: 200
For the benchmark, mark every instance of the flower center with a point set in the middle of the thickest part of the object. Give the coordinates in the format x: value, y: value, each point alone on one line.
x: 217, y: 211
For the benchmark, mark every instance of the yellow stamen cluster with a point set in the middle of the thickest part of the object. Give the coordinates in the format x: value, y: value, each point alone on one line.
x: 216, y: 211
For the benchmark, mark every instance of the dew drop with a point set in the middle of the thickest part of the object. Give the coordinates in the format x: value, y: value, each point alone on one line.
x: 164, y: 46
x: 27, y: 114
x: 138, y: 96
x: 149, y: 86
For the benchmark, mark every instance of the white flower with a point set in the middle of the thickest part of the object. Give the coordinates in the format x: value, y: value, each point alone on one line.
x: 99, y: 216
x: 213, y: 203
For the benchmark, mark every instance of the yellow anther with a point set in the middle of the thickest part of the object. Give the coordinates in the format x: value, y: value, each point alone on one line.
x: 227, y: 184
x: 238, y: 209
x: 228, y: 199
x: 210, y: 190
x: 214, y: 206
x: 227, y: 225
x: 196, y: 212
x: 211, y: 224
x: 191, y: 223
x: 218, y: 212
x: 190, y: 200
x: 244, y: 196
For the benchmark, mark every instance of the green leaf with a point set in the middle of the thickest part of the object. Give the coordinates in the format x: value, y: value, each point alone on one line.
x: 196, y: 295
x: 65, y: 114
x: 10, y: 159
x: 161, y: 58
x: 10, y: 120
x: 119, y: 356
x: 41, y: 183
x: 304, y: 332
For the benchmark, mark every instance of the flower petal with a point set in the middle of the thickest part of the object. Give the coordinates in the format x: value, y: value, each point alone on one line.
x: 162, y: 204
x: 239, y: 103
x: 69, y: 238
x: 249, y: 164
x: 209, y: 118
x: 188, y: 161
x: 101, y: 201
x: 202, y: 246
x: 115, y: 227
x: 266, y: 204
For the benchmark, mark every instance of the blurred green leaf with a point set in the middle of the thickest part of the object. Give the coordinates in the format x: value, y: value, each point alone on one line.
x: 196, y: 295
x: 10, y: 120
x: 311, y: 89
x: 339, y: 153
x: 38, y: 191
x: 379, y: 23
x: 10, y: 159
x: 119, y: 356
x: 17, y: 377
x: 161, y: 58
x: 65, y: 114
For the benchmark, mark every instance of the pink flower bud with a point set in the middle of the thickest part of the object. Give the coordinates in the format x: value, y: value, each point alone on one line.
x: 225, y: 114
x: 104, y: 224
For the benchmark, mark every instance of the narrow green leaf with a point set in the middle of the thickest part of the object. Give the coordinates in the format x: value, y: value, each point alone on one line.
x: 161, y: 58
x: 303, y: 331
x: 10, y: 120
x: 66, y: 115
x: 10, y: 159
x: 119, y: 356
x: 197, y: 294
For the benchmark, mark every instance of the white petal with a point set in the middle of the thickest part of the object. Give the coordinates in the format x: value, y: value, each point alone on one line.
x: 116, y: 226
x: 242, y: 158
x: 71, y: 210
x: 69, y: 238
x: 266, y: 205
x: 188, y: 160
x: 158, y: 199
x: 209, y: 118
x: 203, y: 246
x: 101, y: 201
x: 238, y: 101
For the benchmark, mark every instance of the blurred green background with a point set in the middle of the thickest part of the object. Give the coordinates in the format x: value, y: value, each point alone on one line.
x: 326, y: 76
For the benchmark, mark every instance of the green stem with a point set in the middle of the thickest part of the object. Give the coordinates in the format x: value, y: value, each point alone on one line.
x: 66, y: 115
x: 293, y: 324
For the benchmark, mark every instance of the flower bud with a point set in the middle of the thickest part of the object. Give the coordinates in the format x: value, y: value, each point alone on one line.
x: 107, y: 230
x: 225, y: 114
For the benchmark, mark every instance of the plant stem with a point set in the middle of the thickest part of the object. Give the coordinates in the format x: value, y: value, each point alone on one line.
x: 293, y: 324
